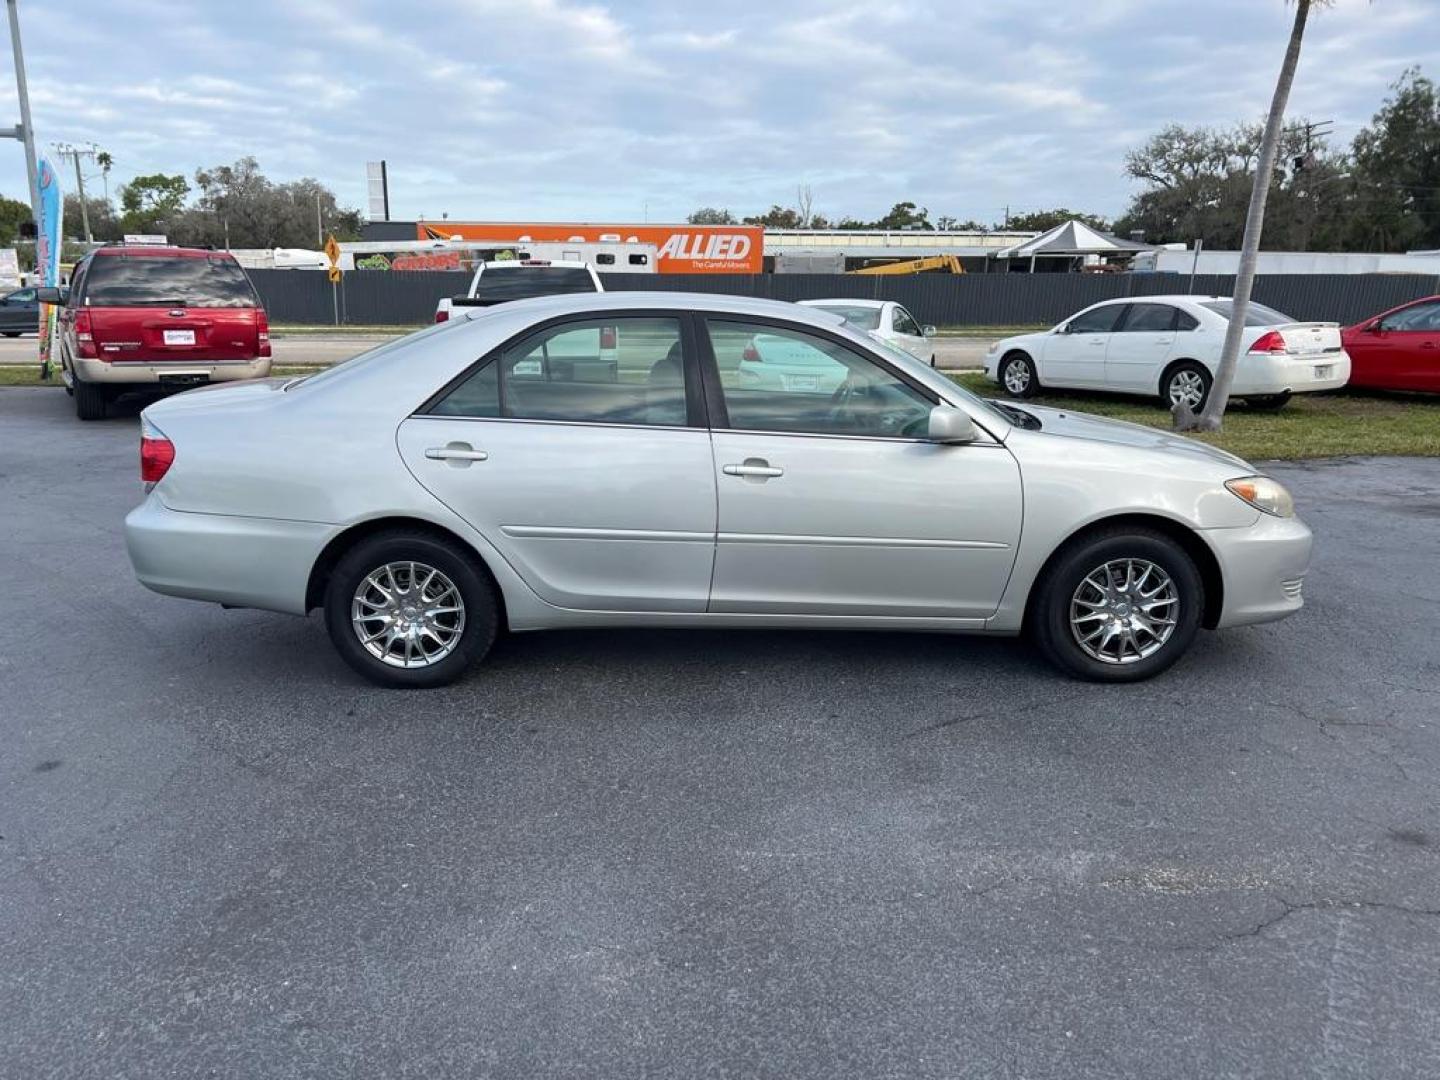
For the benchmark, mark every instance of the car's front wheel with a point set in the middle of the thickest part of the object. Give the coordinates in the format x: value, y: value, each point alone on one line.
x: 1118, y: 606
x: 410, y: 609
x: 1018, y: 375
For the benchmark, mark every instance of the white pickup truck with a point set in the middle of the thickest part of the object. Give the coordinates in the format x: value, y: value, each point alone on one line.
x: 521, y: 279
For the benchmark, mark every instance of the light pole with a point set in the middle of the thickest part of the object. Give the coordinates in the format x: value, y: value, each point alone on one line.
x: 25, y: 130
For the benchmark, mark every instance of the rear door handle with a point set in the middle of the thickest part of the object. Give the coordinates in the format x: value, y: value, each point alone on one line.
x: 761, y: 469
x: 458, y: 452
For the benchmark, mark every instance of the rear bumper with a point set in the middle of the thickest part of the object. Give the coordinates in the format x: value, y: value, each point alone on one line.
x: 1296, y: 374
x: 1263, y: 567
x: 244, y: 561
x: 137, y: 372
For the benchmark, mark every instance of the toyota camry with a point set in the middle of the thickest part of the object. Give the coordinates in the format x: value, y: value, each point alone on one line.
x: 599, y: 461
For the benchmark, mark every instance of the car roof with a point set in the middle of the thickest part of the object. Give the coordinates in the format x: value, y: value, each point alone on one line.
x: 1164, y: 298
x: 542, y: 307
x: 847, y: 301
x: 153, y: 251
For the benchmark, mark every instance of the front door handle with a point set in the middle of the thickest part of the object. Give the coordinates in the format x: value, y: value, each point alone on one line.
x: 457, y: 453
x: 756, y: 467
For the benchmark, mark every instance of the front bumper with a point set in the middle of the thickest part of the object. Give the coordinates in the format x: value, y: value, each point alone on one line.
x: 242, y: 561
x: 1267, y: 374
x: 1263, y: 566
x: 140, y: 372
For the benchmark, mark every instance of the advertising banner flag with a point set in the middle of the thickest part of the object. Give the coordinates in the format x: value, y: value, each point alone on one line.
x: 47, y: 253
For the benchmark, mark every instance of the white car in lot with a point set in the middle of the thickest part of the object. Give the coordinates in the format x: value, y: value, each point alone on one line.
x: 884, y: 320
x: 1170, y: 346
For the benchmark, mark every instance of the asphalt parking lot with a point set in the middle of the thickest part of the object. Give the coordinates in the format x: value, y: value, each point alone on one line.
x: 709, y: 854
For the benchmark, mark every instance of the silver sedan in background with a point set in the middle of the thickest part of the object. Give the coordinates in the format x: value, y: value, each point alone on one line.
x: 476, y: 476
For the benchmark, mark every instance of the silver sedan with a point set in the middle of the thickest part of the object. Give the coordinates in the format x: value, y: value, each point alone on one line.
x: 599, y: 461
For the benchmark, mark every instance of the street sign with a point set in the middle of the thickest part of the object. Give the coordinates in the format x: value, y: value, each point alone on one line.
x: 335, y: 275
x: 332, y: 251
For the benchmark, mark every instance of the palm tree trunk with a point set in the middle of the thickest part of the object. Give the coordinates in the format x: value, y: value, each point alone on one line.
x: 1209, y: 419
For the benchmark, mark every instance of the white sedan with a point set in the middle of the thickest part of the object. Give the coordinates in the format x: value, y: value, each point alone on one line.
x: 884, y: 320
x: 1170, y: 346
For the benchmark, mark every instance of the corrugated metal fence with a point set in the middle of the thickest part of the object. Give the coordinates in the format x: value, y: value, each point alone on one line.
x: 385, y: 298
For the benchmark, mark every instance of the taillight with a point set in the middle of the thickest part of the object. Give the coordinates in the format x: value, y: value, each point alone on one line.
x: 607, y: 337
x: 262, y: 332
x: 157, y: 453
x: 442, y: 315
x: 751, y: 353
x: 1272, y: 341
x: 84, y: 338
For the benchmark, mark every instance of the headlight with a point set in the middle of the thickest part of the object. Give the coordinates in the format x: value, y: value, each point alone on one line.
x: 1264, y: 494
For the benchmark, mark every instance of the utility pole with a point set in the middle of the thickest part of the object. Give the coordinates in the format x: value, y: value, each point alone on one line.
x: 25, y: 130
x: 75, y: 153
x: 319, y: 224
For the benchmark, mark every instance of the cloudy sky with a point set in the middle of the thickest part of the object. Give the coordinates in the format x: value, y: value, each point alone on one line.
x: 574, y: 109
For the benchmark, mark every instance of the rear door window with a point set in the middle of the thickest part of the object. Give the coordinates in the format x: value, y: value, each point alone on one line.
x: 1149, y: 319
x: 607, y: 371
x: 177, y: 281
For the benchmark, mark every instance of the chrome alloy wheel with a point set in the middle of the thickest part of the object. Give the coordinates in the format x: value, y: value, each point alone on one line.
x: 1124, y: 611
x: 1187, y: 388
x: 408, y: 615
x: 1017, y: 376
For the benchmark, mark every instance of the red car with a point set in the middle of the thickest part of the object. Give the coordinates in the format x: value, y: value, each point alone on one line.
x: 1397, y: 350
x: 157, y: 318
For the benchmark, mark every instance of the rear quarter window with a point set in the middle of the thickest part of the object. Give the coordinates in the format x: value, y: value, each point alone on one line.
x: 132, y: 281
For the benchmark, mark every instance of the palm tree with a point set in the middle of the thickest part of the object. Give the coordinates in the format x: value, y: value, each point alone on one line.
x: 1210, y: 417
x: 105, y: 161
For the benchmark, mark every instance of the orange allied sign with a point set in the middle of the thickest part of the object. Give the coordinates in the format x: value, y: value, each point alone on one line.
x: 681, y: 249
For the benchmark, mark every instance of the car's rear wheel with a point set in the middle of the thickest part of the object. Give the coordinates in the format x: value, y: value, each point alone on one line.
x: 1268, y: 402
x: 91, y: 401
x: 409, y: 609
x: 1118, y: 606
x: 1186, y: 383
x: 12, y: 333
x: 1018, y: 375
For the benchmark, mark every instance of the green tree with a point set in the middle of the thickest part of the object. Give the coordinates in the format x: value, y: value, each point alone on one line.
x: 777, y: 217
x: 1041, y: 220
x: 710, y: 215
x: 104, y: 224
x: 149, y: 203
x: 1397, y: 170
x: 905, y: 215
x: 13, y: 213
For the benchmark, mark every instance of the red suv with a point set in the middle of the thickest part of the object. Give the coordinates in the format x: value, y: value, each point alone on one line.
x: 165, y: 318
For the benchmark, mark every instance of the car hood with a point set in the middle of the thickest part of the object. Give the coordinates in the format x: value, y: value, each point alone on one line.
x: 1072, y: 425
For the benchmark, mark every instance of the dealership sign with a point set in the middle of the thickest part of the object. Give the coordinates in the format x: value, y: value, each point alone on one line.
x: 681, y: 249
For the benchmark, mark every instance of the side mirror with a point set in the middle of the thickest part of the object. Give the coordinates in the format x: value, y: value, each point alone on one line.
x: 49, y: 294
x: 950, y: 426
x: 928, y: 330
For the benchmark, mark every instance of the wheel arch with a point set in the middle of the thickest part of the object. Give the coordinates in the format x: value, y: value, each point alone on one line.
x: 1169, y: 370
x: 1187, y: 538
x: 339, y: 544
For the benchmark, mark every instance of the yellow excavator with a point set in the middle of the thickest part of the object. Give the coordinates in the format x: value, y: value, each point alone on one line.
x: 945, y: 263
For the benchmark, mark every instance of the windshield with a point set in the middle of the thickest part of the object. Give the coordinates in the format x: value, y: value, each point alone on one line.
x: 903, y: 359
x: 524, y: 282
x: 175, y: 281
x: 866, y: 318
x: 1255, y: 314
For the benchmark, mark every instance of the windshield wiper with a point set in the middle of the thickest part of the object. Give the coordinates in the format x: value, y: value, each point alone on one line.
x: 1028, y: 421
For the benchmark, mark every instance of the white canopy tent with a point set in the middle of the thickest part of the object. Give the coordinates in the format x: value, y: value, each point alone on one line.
x: 1069, y: 240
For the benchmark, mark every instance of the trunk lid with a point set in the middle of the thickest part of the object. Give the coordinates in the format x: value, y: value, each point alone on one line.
x: 1306, y: 338
x: 154, y: 333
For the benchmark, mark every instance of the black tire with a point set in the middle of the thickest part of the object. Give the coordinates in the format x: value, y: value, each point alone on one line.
x: 91, y: 401
x: 477, y: 591
x: 1268, y: 402
x: 1190, y: 369
x: 1050, y: 625
x: 1024, y: 371
x: 12, y: 333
